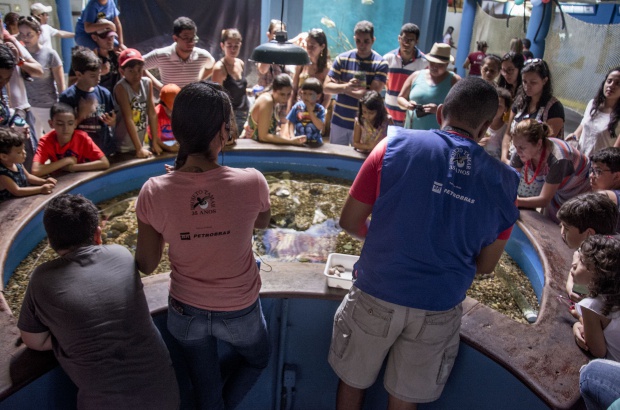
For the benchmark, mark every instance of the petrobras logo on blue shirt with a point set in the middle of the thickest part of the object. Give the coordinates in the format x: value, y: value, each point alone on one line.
x: 439, y: 189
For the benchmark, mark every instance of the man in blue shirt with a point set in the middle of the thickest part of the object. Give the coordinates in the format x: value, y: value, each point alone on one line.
x: 442, y: 210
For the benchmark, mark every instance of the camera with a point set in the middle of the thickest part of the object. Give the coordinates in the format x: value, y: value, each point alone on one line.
x: 419, y: 111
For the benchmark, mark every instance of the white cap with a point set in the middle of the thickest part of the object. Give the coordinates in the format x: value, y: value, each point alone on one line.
x: 40, y: 8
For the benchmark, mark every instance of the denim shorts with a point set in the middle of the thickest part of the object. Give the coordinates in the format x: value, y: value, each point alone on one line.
x: 420, y: 346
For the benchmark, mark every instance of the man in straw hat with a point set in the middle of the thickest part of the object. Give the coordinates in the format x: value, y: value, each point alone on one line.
x: 415, y: 267
x: 424, y: 90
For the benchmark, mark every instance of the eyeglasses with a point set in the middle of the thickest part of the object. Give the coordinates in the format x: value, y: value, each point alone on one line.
x: 597, y: 171
x: 407, y: 40
x: 189, y: 39
x: 28, y: 36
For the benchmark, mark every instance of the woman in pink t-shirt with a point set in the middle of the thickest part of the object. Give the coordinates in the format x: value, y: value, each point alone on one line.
x: 207, y: 214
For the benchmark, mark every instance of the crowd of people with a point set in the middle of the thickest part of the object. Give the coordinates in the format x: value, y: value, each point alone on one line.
x: 514, y: 133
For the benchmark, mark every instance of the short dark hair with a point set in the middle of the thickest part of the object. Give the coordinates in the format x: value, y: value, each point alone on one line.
x: 84, y: 59
x: 281, y: 81
x: 312, y: 84
x: 591, y: 210
x: 11, y: 18
x: 410, y: 28
x: 495, y: 58
x: 9, y: 138
x: 61, y: 108
x: 505, y: 95
x: 526, y: 43
x: 458, y: 103
x: 364, y: 27
x: 7, y: 59
x: 200, y: 108
x: 181, y: 24
x: 70, y: 221
x: 609, y: 156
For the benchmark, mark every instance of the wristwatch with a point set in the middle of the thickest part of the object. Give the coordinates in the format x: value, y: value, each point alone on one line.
x: 21, y: 61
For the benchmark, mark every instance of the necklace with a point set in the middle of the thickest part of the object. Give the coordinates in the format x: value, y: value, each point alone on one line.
x: 456, y: 130
x: 538, y: 166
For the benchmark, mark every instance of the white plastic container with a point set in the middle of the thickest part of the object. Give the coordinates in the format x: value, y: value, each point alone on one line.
x: 345, y: 280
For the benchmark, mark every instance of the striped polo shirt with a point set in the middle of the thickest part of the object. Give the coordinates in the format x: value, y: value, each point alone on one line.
x: 343, y: 70
x: 172, y: 69
x: 397, y: 74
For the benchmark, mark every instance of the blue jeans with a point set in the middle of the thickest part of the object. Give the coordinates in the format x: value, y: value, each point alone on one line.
x: 198, y: 331
x: 310, y: 131
x: 599, y: 382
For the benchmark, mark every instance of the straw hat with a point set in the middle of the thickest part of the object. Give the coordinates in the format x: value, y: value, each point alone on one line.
x: 440, y: 54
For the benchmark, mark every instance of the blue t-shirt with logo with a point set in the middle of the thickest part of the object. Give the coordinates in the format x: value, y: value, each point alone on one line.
x: 442, y: 199
x: 96, y: 129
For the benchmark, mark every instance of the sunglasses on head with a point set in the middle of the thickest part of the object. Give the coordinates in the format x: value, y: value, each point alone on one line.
x: 104, y: 35
x: 29, y: 18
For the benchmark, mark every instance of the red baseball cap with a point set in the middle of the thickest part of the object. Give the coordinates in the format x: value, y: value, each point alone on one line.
x: 129, y: 54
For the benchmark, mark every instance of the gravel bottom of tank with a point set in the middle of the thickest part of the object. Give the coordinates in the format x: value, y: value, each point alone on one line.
x: 299, y: 203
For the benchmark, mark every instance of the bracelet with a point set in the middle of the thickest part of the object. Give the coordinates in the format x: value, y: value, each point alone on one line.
x: 21, y: 61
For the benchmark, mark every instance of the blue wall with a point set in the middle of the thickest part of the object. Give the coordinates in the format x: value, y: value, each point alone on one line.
x: 387, y: 17
x: 605, y: 14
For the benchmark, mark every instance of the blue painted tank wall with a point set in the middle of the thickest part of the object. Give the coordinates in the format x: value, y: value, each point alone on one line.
x: 301, y: 330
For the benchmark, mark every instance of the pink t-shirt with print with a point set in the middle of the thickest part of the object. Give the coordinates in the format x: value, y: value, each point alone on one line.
x: 208, y: 220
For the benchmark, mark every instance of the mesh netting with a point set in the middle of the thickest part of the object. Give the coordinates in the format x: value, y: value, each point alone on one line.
x: 579, y: 57
x: 494, y: 31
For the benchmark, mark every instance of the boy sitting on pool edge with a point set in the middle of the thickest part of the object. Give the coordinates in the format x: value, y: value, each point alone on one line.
x: 65, y: 147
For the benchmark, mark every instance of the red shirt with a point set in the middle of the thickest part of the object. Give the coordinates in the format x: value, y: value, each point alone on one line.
x: 81, y: 147
x: 165, y: 127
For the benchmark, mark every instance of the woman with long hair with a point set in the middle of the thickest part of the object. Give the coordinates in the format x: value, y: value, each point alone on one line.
x: 207, y: 214
x: 600, y: 126
x: 228, y: 72
x: 263, y: 124
x: 535, y: 101
x: 316, y: 46
x: 510, y: 72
